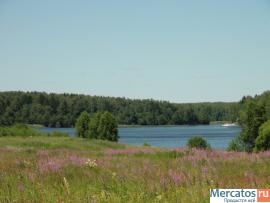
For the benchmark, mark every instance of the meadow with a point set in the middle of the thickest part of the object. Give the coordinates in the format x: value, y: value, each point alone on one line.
x: 63, y: 169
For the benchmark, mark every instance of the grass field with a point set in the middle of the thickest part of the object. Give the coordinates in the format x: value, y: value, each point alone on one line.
x: 63, y: 169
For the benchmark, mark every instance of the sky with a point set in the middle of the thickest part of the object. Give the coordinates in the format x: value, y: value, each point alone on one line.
x: 178, y: 51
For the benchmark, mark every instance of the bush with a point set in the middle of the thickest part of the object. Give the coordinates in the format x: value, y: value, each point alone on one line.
x: 198, y: 142
x: 262, y: 142
x: 237, y: 145
x: 19, y: 130
x: 23, y: 130
x: 146, y: 144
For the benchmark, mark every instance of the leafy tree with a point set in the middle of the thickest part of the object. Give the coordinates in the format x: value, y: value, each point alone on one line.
x: 251, y: 120
x: 94, y: 125
x: 107, y: 128
x: 82, y: 125
x: 262, y: 142
x: 103, y: 126
x: 254, y: 112
x: 198, y: 142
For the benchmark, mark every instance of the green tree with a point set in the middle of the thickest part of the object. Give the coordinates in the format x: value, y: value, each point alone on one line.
x: 198, y: 142
x: 82, y: 125
x: 94, y: 125
x: 103, y: 125
x: 251, y: 120
x: 107, y: 128
x: 254, y: 111
x: 262, y: 142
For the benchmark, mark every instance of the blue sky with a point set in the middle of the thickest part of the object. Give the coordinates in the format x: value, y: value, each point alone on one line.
x: 180, y: 51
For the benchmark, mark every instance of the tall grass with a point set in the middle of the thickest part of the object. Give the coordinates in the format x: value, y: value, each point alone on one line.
x: 62, y: 169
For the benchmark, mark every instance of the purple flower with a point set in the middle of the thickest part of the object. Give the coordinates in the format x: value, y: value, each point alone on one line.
x: 111, y: 152
x: 54, y: 164
x: 177, y: 178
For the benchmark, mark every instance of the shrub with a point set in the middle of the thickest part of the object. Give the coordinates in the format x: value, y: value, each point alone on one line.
x: 262, y: 142
x: 198, y: 142
x: 237, y: 145
x: 18, y: 130
x: 146, y: 144
x: 23, y: 130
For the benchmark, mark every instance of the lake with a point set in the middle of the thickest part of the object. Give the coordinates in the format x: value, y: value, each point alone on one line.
x: 172, y: 136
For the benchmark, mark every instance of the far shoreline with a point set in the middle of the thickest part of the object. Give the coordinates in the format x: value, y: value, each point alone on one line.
x: 146, y: 126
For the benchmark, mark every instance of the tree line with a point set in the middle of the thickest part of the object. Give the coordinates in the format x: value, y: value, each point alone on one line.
x: 62, y: 110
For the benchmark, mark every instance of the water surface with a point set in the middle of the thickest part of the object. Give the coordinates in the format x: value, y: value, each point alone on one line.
x: 173, y: 136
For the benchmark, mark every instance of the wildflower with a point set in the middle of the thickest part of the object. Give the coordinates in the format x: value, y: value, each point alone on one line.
x: 129, y: 151
x: 113, y: 174
x: 27, y: 163
x: 177, y: 178
x: 23, y: 163
x: 51, y: 165
x: 77, y: 161
x: 91, y: 163
x: 159, y: 197
x: 31, y: 177
x: 205, y: 170
x: 163, y: 181
x: 66, y: 184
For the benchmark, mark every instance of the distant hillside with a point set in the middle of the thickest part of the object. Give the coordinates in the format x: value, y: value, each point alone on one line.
x: 61, y: 110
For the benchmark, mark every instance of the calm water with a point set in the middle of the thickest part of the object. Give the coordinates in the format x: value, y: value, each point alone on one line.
x: 176, y: 136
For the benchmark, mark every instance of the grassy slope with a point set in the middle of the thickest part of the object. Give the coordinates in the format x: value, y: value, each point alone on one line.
x: 48, y: 169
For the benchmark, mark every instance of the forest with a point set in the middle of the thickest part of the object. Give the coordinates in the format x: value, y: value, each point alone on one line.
x: 62, y: 110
